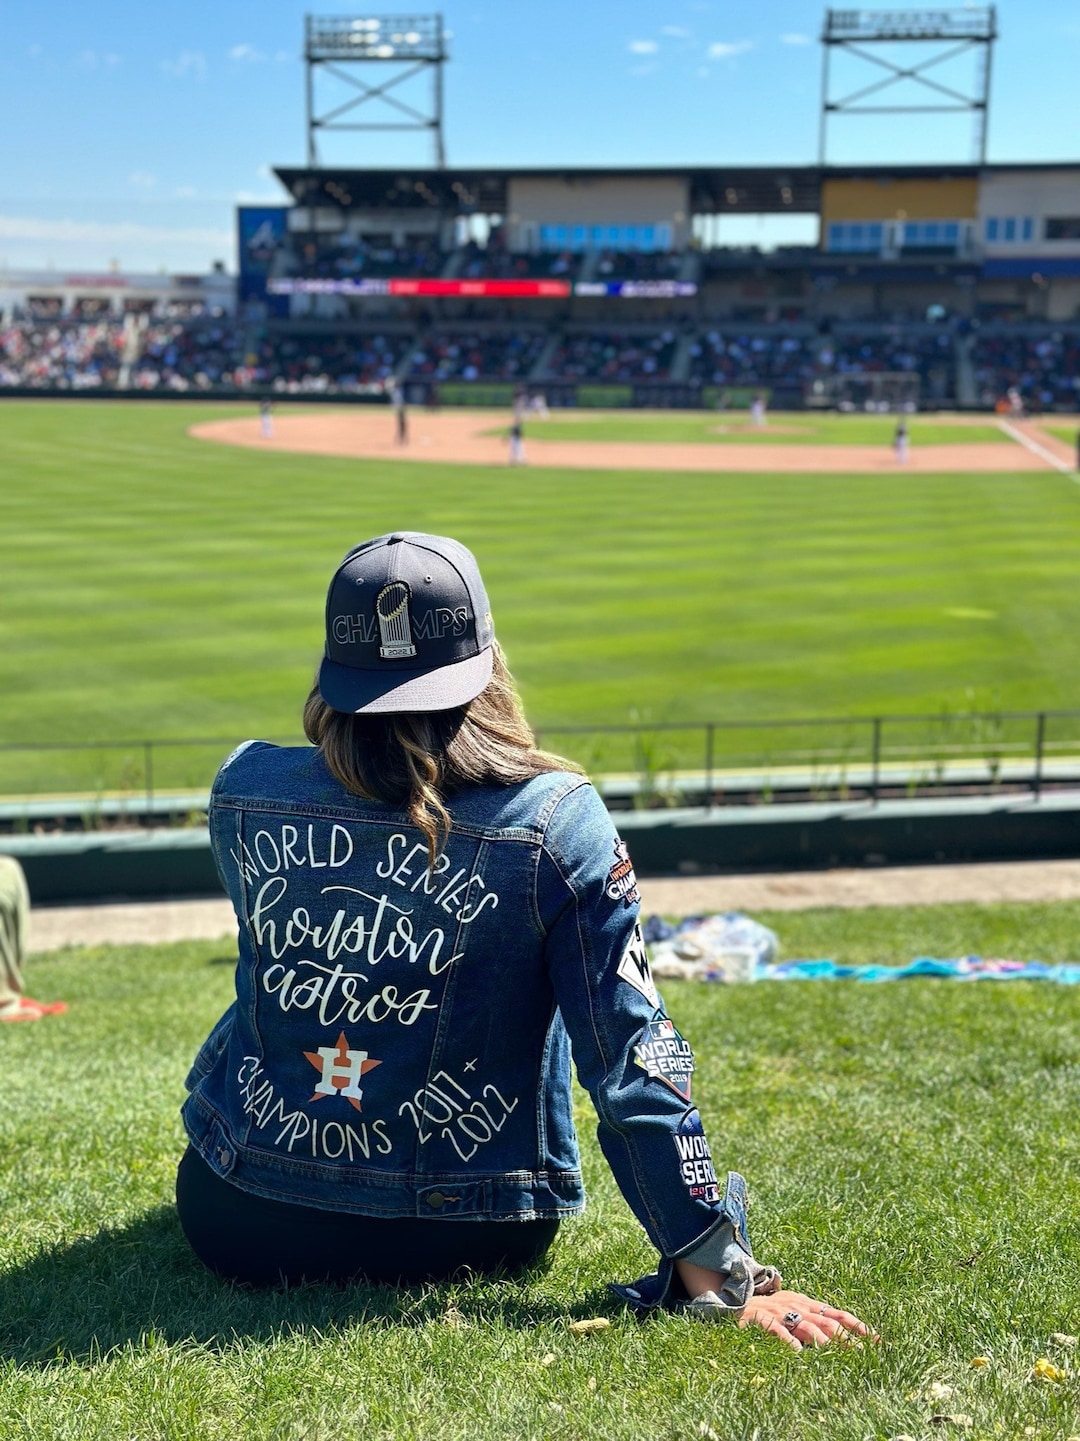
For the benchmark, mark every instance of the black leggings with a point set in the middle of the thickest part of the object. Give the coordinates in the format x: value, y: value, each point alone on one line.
x: 260, y: 1242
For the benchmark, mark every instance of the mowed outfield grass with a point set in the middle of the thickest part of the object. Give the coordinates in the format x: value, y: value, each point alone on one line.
x: 154, y: 585
x: 1070, y: 434
x: 912, y: 1152
x: 724, y: 427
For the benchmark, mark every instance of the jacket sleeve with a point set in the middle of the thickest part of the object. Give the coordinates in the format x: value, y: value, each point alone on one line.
x: 628, y: 1054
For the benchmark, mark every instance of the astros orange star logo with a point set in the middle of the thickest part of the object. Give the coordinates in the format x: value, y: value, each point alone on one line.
x: 340, y: 1068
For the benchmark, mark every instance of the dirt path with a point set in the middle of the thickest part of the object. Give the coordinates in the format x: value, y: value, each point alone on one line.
x: 1036, y: 438
x: 148, y: 923
x: 457, y: 437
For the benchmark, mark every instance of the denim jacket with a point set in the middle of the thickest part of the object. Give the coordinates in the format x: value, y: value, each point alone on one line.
x: 400, y: 1040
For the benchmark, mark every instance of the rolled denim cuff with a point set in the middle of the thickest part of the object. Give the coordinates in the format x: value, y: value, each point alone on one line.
x: 723, y: 1250
x: 726, y: 1249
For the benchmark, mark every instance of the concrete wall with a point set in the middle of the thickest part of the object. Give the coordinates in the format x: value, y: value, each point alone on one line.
x: 536, y: 201
x: 1040, y: 195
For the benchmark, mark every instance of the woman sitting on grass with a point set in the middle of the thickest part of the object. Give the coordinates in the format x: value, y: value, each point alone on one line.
x: 431, y: 911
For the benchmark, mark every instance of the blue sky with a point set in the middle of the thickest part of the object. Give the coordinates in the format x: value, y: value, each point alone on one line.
x: 128, y: 132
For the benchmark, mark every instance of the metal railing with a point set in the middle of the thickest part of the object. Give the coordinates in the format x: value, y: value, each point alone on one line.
x: 990, y: 743
x: 706, y: 759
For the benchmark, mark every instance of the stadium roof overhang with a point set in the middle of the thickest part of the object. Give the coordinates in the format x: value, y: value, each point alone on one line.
x: 714, y: 190
x: 721, y: 189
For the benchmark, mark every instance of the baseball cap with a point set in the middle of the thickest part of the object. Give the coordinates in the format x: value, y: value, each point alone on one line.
x: 408, y: 627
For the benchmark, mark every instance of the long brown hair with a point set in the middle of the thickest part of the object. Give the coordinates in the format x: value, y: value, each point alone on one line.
x: 417, y: 759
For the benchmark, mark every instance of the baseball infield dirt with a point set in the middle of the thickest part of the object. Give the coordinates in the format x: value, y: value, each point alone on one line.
x: 455, y: 436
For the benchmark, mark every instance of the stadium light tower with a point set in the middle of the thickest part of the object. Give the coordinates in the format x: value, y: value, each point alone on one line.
x: 348, y: 48
x: 953, y: 32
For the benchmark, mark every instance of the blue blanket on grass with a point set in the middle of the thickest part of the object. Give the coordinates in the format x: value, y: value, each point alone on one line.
x: 964, y: 968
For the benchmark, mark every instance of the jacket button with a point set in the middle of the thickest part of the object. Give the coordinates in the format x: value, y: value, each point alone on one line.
x: 435, y: 1200
x: 224, y: 1156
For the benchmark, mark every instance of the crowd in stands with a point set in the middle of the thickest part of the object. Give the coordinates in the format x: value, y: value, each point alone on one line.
x: 741, y: 359
x: 373, y: 257
x: 317, y: 364
x: 614, y: 356
x: 495, y: 262
x: 638, y: 264
x: 477, y: 356
x: 893, y: 350
x: 1044, y: 370
x: 189, y: 355
x: 206, y: 352
x: 61, y: 354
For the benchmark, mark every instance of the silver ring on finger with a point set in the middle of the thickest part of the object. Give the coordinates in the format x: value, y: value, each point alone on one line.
x: 792, y: 1319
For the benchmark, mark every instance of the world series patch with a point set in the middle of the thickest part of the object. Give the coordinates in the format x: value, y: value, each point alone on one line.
x: 634, y: 968
x: 663, y: 1053
x: 695, y: 1161
x: 621, y: 881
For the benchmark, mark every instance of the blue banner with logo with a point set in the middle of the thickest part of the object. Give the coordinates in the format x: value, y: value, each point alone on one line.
x: 260, y: 233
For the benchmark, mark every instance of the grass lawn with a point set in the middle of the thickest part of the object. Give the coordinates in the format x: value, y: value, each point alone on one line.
x: 154, y: 585
x: 912, y: 1152
x: 794, y: 428
x: 1067, y: 433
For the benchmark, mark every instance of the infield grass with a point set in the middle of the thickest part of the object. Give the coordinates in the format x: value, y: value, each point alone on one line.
x: 154, y: 585
x: 912, y: 1152
x: 723, y: 427
x: 1067, y: 433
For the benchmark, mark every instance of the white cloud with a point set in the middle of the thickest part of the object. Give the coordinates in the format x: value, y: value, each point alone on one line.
x: 142, y: 180
x: 34, y: 50
x: 724, y: 49
x: 677, y: 32
x: 188, y: 65
x: 280, y: 56
x: 185, y: 192
x: 90, y: 59
x: 643, y: 47
x: 247, y: 54
x: 31, y: 227
x: 795, y: 37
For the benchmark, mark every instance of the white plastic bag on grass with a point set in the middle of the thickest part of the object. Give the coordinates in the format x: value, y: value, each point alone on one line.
x: 730, y: 947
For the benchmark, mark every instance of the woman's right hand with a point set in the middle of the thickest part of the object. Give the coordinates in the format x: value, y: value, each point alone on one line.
x: 817, y: 1323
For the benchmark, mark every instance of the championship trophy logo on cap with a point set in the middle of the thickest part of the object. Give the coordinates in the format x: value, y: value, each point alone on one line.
x: 395, y: 632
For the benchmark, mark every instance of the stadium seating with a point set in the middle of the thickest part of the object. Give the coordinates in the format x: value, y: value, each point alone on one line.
x: 180, y: 349
x: 348, y: 257
x: 476, y: 355
x: 638, y: 265
x: 199, y: 354
x: 61, y: 354
x: 492, y: 262
x: 1044, y: 368
x: 739, y: 358
x: 613, y: 355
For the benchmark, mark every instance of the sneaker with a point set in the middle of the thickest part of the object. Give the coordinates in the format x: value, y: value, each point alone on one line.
x: 25, y: 1009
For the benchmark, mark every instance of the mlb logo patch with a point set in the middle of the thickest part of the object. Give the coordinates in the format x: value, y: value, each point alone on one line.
x: 663, y: 1054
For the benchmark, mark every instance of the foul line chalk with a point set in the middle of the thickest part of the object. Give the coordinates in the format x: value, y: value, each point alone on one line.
x: 1039, y: 450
